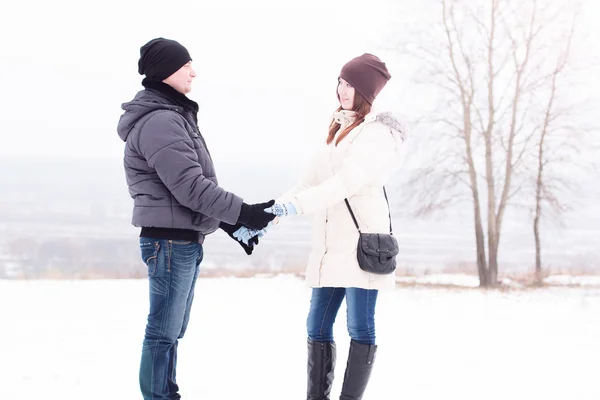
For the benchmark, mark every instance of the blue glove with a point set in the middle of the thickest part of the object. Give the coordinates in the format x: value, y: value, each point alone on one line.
x: 231, y: 229
x: 245, y: 234
x: 282, y: 210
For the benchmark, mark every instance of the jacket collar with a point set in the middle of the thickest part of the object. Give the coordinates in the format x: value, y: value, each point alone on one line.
x: 173, y: 95
x: 344, y: 117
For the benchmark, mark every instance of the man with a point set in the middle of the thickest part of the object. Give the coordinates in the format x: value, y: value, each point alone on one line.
x: 177, y: 202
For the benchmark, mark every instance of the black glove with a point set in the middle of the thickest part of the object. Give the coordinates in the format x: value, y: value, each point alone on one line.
x: 230, y: 229
x: 254, y: 216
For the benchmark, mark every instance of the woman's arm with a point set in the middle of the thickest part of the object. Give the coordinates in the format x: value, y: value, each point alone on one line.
x: 367, y: 159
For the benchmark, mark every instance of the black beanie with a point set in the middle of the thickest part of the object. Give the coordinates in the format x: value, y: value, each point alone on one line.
x: 160, y: 58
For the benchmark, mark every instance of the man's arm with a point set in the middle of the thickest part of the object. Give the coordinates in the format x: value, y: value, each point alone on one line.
x: 168, y: 148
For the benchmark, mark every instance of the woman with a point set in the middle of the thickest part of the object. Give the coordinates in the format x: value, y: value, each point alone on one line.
x: 361, y: 152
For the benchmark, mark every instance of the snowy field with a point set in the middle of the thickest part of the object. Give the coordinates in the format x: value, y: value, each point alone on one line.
x: 82, y: 339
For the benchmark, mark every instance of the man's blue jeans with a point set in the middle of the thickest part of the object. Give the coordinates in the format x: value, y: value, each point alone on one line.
x: 172, y: 272
x: 324, y: 306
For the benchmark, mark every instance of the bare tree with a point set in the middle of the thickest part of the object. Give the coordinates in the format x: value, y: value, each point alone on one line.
x: 487, y: 64
x: 556, y: 144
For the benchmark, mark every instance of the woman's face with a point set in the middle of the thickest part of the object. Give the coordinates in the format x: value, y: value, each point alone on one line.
x: 346, y: 94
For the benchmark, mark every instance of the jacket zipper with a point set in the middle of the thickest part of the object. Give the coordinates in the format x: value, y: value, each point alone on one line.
x: 324, y: 245
x: 326, y: 221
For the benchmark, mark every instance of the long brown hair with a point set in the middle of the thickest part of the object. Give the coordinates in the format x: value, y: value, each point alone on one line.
x: 361, y: 107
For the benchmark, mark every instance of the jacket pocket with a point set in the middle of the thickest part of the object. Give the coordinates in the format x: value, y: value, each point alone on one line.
x: 197, y: 218
x: 204, y: 224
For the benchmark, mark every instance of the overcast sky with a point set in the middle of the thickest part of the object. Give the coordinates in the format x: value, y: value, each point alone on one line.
x: 266, y: 72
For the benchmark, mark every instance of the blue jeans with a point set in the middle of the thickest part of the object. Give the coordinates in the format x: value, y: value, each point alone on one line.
x: 172, y: 272
x: 324, y: 305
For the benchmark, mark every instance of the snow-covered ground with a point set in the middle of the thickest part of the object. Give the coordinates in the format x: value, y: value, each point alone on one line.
x: 82, y: 339
x: 472, y: 281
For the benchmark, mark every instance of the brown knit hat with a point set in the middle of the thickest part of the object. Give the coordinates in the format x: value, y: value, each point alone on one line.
x: 368, y: 74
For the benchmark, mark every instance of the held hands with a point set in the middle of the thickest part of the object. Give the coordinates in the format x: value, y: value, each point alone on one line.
x: 255, y: 216
x: 282, y: 210
x: 253, y: 221
x: 245, y: 235
x: 231, y: 230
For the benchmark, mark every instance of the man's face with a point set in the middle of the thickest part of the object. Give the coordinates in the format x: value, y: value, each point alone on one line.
x: 181, y: 80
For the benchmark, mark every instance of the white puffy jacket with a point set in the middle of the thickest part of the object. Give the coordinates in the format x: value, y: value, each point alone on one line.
x: 357, y: 169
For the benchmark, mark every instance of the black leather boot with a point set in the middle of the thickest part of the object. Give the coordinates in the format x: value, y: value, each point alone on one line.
x: 358, y: 370
x: 321, y: 363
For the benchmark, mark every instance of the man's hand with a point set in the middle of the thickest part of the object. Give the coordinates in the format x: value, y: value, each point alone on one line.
x: 254, y: 216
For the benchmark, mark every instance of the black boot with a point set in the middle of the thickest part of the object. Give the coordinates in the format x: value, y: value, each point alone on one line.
x: 321, y: 363
x: 358, y: 370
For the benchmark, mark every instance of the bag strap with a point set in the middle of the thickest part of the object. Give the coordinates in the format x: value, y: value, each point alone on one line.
x: 354, y: 218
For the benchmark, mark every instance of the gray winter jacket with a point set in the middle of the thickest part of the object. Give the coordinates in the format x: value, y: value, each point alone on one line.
x: 169, y: 171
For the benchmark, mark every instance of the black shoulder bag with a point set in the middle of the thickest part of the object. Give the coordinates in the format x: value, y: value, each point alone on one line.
x: 376, y: 252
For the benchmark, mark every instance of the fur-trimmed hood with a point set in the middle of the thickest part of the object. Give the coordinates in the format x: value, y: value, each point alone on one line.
x: 388, y: 119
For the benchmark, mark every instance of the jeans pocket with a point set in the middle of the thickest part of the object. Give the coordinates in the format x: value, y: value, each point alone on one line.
x: 200, y: 255
x: 150, y: 250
